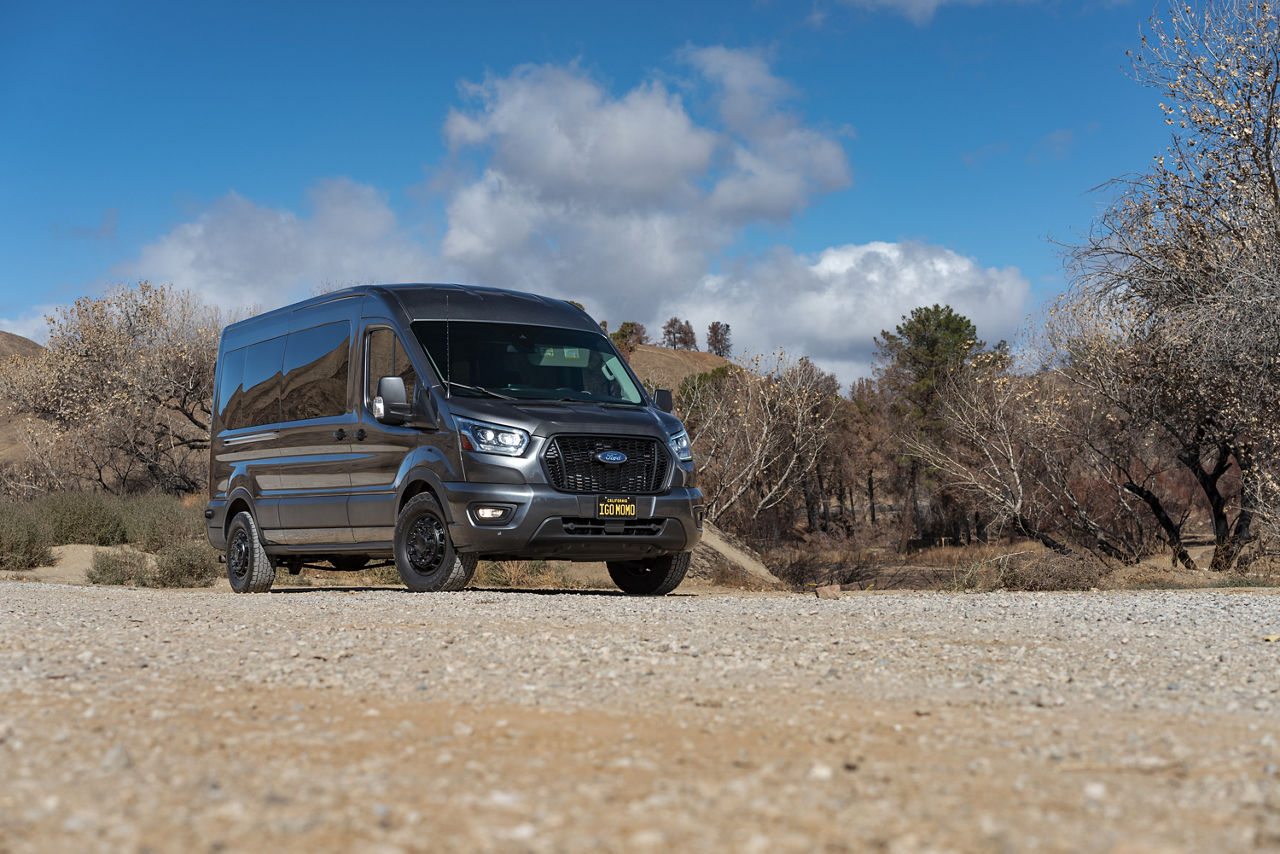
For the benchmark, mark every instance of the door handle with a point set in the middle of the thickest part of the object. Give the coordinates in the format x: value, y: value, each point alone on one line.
x: 339, y: 434
x: 360, y: 435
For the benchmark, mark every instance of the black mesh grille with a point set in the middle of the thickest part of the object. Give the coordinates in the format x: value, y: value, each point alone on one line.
x: 572, y: 467
x: 608, y: 528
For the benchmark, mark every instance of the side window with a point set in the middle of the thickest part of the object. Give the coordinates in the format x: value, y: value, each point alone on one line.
x: 385, y: 356
x: 316, y: 363
x: 260, y: 399
x: 230, y: 388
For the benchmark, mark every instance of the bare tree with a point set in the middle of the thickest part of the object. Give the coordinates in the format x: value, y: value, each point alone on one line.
x: 1184, y: 267
x: 679, y: 335
x: 718, y: 339
x: 757, y: 430
x: 121, y: 397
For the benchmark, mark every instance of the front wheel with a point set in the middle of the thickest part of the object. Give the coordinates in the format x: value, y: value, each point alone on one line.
x: 249, y: 567
x: 653, y: 577
x: 424, y: 553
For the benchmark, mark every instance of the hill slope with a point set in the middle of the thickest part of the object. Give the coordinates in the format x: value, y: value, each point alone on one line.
x: 16, y: 345
x: 665, y: 368
x: 12, y: 446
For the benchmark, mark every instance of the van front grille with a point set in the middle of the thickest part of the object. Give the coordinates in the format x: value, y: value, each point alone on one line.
x: 572, y: 466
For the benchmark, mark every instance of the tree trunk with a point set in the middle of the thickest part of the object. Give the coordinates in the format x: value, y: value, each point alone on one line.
x: 810, y: 508
x: 910, y: 513
x: 871, y: 498
x: 1172, y: 529
x: 822, y: 499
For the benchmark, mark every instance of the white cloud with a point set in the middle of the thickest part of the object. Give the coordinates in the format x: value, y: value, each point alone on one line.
x: 626, y: 201
x: 832, y: 306
x: 239, y: 253
x: 31, y: 323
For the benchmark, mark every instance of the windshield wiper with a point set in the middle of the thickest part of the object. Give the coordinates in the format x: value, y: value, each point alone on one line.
x: 480, y: 389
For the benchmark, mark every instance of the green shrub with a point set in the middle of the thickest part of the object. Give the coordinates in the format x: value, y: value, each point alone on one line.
x: 117, y: 567
x: 182, y: 565
x: 154, y: 521
x: 82, y: 517
x: 24, y: 541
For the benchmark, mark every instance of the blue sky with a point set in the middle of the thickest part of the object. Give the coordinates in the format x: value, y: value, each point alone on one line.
x: 808, y: 172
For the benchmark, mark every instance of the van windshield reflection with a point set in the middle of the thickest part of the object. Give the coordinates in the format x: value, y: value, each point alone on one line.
x: 523, y: 362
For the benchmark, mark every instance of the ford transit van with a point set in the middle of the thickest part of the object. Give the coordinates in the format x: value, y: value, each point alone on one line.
x: 435, y: 425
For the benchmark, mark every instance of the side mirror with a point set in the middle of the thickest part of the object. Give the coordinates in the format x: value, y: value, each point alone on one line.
x: 391, y: 406
x: 662, y: 397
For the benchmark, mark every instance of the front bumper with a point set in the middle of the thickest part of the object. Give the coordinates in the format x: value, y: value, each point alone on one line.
x: 550, y: 524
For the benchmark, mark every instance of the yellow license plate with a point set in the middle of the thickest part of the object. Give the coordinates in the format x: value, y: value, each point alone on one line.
x: 616, y: 508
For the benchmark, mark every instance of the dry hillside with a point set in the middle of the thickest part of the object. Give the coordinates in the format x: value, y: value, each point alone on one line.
x: 11, y: 447
x: 16, y: 345
x: 664, y: 368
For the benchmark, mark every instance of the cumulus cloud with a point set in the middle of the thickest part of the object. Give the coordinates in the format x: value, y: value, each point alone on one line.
x: 631, y: 202
x: 832, y: 306
x: 30, y: 323
x: 238, y: 253
x: 624, y: 200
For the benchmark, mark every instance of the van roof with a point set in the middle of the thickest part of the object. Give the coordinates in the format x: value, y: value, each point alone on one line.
x: 436, y: 301
x: 471, y: 302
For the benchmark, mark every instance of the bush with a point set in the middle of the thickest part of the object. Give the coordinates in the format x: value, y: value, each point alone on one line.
x: 182, y: 565
x: 1051, y: 571
x: 155, y: 521
x: 117, y: 567
x: 82, y: 517
x: 519, y: 573
x: 24, y: 541
x: 1041, y: 571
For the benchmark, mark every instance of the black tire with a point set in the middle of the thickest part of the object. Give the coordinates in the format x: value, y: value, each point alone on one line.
x: 249, y: 567
x: 349, y: 563
x: 424, y: 553
x: 653, y: 577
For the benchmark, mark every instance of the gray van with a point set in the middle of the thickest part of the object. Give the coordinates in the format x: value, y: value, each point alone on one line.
x: 435, y: 425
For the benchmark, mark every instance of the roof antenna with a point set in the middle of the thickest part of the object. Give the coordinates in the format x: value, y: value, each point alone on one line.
x: 448, y: 352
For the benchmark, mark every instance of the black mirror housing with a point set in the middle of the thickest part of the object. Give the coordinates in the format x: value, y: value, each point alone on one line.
x: 662, y: 397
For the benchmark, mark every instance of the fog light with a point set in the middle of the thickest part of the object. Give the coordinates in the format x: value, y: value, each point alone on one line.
x: 492, y: 514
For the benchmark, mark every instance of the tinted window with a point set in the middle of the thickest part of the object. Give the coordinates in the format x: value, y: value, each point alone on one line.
x: 315, y: 372
x: 387, y: 358
x: 230, y: 391
x: 260, y: 403
x: 526, y: 362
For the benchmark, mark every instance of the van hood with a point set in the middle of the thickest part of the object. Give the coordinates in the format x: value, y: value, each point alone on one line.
x: 547, y: 418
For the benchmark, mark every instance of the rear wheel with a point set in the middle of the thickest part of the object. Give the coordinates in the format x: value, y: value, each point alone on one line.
x: 424, y: 553
x: 653, y: 577
x: 249, y: 567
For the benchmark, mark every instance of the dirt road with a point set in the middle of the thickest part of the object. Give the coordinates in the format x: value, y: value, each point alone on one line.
x: 381, y: 721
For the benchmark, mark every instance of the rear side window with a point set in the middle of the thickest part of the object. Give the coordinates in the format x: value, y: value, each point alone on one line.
x: 230, y: 390
x: 260, y: 403
x: 386, y: 357
x: 316, y: 368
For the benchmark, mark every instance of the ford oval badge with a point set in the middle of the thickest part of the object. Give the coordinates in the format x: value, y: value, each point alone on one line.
x: 611, y: 458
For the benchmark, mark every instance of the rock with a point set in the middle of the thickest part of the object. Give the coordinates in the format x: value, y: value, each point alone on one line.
x: 831, y: 591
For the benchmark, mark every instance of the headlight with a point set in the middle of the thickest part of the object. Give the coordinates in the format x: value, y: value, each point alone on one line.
x: 491, y: 438
x: 680, y: 446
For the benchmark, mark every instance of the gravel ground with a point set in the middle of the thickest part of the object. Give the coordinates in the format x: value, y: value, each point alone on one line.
x: 314, y: 719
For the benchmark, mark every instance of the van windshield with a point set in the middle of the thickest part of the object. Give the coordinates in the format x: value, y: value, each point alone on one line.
x: 526, y: 362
